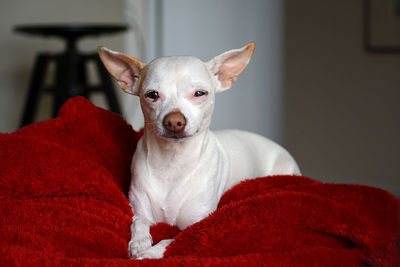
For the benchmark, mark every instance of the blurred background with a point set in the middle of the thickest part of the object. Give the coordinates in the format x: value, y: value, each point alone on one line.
x: 311, y: 86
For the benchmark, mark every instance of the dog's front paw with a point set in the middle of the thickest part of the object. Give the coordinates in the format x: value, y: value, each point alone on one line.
x: 138, y: 244
x: 156, y: 251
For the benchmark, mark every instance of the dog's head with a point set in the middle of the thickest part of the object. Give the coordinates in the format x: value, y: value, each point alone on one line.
x: 177, y: 94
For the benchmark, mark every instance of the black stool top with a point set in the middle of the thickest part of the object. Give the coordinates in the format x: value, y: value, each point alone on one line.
x: 70, y: 77
x: 70, y: 31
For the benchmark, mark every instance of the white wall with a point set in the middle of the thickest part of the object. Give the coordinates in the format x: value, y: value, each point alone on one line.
x: 17, y: 51
x: 173, y: 27
x: 342, y: 119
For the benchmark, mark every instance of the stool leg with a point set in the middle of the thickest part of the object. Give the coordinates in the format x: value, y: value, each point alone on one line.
x: 70, y: 79
x: 61, y: 84
x: 36, y: 84
x: 107, y: 85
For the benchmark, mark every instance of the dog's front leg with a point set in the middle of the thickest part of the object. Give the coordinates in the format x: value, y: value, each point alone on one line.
x: 140, y: 237
x: 156, y: 251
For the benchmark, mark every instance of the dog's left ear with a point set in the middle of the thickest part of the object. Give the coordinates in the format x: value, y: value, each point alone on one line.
x: 125, y: 69
x: 227, y: 66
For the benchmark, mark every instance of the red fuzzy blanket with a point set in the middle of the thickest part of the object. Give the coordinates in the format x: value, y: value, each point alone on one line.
x: 63, y: 186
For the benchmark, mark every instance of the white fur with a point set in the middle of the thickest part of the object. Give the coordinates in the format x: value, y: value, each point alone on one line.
x: 180, y: 181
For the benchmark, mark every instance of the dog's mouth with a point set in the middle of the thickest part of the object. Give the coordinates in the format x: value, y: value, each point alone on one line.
x: 177, y: 136
x: 174, y: 135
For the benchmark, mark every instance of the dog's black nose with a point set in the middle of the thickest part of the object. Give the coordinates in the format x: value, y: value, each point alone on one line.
x: 175, y: 122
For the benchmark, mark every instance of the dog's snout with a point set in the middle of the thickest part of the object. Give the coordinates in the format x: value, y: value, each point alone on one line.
x: 175, y: 122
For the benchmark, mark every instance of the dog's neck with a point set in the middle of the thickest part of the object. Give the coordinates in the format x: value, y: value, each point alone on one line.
x: 175, y: 152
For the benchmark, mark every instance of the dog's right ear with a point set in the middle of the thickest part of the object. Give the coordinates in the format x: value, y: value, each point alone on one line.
x: 126, y: 70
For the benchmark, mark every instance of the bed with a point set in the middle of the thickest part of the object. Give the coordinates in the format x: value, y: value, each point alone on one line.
x: 63, y: 201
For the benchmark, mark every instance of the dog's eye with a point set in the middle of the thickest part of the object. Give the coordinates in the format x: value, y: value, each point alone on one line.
x: 200, y: 93
x: 153, y: 95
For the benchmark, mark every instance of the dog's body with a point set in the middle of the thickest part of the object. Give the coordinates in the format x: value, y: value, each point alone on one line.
x: 180, y: 168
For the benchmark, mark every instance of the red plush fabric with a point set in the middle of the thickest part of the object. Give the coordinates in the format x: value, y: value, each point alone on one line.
x: 63, y: 186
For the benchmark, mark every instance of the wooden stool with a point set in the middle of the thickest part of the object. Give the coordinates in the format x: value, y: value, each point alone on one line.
x: 71, y: 78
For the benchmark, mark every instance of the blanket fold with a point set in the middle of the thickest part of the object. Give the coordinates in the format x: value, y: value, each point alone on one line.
x: 63, y: 200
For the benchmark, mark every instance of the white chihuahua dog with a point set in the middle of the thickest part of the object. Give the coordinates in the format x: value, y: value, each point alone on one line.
x: 181, y: 168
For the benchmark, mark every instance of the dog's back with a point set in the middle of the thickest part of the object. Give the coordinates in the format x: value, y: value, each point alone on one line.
x: 251, y: 155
